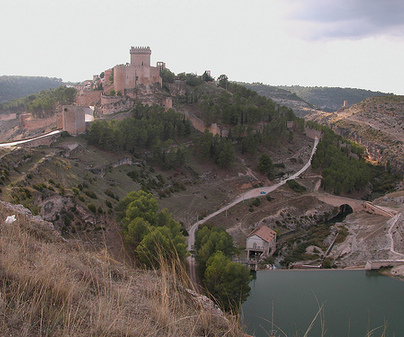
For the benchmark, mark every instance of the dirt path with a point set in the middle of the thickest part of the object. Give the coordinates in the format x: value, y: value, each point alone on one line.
x: 390, y: 235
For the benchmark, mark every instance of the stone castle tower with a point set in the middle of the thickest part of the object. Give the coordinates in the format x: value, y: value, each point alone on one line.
x: 138, y: 72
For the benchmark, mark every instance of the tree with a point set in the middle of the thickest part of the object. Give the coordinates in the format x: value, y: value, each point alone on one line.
x: 265, y: 164
x: 206, y: 77
x: 167, y: 76
x: 142, y: 205
x: 162, y: 244
x: 223, y: 81
x: 155, y: 237
x: 208, y: 241
x: 227, y: 281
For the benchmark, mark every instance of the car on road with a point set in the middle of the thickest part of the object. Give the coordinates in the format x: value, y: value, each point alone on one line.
x: 263, y: 192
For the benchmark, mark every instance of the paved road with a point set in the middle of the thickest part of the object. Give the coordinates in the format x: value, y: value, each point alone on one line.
x: 253, y: 193
x: 29, y: 140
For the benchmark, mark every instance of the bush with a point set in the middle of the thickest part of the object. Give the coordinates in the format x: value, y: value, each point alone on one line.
x: 256, y: 202
x: 92, y: 208
x: 296, y: 186
x: 91, y: 194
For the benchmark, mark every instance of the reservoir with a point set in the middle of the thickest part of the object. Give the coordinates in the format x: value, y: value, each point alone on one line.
x: 354, y: 303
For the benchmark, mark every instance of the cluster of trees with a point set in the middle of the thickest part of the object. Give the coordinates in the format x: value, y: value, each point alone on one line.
x: 155, y: 237
x: 150, y: 127
x: 12, y: 87
x: 42, y: 104
x: 46, y: 102
x: 226, y: 281
x: 343, y: 170
x: 221, y: 150
x: 189, y: 78
x: 265, y: 165
x: 242, y: 109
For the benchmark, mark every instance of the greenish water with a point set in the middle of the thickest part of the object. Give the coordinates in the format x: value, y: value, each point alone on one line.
x: 355, y: 302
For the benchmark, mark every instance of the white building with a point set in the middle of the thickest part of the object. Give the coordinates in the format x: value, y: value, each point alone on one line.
x: 260, y: 242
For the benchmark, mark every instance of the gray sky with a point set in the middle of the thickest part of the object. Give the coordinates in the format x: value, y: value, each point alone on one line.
x: 346, y: 43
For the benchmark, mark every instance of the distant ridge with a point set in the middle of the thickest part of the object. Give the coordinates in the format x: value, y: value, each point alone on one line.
x: 331, y: 98
x: 12, y: 87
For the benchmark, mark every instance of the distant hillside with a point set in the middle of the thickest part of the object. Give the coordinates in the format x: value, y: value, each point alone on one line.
x: 284, y: 97
x: 331, y: 98
x: 12, y: 87
x: 376, y: 123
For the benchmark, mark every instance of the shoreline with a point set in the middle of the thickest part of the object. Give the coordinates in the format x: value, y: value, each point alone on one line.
x: 388, y: 273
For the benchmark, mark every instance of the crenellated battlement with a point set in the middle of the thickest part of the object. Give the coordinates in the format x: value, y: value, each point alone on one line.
x: 140, y: 50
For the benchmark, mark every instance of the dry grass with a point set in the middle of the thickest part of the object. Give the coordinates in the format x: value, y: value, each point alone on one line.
x: 52, y: 287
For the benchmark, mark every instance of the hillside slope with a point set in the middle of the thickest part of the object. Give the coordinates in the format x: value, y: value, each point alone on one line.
x: 57, y: 287
x: 377, y: 123
x: 285, y: 97
x: 12, y: 87
x: 331, y: 98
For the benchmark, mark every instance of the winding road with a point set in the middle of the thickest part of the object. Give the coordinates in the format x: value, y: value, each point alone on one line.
x: 253, y: 193
x: 10, y: 144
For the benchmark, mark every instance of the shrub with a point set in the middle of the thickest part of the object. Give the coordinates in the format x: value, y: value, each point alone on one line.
x: 91, y: 194
x: 92, y: 208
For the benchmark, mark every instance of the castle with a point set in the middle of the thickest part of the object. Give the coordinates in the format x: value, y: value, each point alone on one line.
x: 137, y: 73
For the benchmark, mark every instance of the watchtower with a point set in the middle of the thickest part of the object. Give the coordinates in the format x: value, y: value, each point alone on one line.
x: 140, y: 56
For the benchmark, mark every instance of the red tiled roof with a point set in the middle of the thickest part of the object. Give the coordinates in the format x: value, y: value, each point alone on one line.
x: 264, y: 232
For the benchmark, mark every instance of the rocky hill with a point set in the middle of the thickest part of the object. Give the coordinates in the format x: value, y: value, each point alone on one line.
x: 377, y: 123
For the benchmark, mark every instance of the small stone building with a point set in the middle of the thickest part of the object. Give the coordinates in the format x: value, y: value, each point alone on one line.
x: 73, y: 119
x: 260, y: 242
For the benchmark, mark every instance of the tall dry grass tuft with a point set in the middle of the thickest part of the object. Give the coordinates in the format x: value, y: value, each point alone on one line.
x: 53, y: 287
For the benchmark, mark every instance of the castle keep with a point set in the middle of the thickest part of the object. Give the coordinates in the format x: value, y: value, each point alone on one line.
x: 138, y: 72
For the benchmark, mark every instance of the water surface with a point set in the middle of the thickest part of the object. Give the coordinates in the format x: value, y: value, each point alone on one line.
x: 354, y: 302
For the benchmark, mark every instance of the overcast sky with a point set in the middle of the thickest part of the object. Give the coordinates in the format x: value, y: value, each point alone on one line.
x: 345, y: 43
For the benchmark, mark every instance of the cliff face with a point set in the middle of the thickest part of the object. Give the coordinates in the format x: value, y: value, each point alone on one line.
x: 377, y: 124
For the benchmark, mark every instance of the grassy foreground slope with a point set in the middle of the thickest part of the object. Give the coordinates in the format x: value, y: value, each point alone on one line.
x: 56, y: 287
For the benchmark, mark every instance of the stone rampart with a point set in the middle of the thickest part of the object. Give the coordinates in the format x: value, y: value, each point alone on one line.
x: 29, y: 123
x: 87, y: 98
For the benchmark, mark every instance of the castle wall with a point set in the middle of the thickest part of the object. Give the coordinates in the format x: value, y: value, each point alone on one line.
x: 28, y: 123
x: 91, y: 97
x: 119, y: 78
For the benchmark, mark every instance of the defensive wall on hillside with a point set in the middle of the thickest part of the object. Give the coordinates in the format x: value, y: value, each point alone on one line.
x: 28, y: 123
x: 90, y: 97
